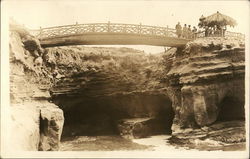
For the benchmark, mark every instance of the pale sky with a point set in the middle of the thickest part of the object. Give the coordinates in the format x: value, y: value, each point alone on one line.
x: 35, y: 13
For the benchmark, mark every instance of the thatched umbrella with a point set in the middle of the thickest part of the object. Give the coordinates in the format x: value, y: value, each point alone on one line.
x: 219, y: 19
x: 202, y: 18
x: 202, y: 23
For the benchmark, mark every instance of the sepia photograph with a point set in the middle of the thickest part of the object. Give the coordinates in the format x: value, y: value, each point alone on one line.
x: 125, y: 79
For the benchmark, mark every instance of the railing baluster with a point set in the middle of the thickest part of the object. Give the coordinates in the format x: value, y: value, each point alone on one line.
x: 124, y: 28
x: 93, y: 28
x: 108, y: 26
x: 167, y: 31
x: 40, y: 32
x: 139, y: 29
x: 76, y: 28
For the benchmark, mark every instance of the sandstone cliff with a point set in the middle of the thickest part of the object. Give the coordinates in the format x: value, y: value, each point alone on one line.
x: 36, y: 124
x: 208, y: 85
x: 204, y: 74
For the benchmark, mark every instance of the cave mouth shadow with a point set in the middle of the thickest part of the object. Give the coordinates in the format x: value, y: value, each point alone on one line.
x: 90, y: 122
x: 100, y: 117
x: 231, y: 109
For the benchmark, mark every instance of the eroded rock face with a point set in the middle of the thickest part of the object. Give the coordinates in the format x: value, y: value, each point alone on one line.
x: 24, y: 128
x: 29, y: 97
x: 204, y: 76
x: 226, y: 136
x: 100, y: 86
x: 51, y: 124
x: 35, y: 125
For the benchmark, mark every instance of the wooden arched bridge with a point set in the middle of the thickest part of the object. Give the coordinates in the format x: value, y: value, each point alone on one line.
x: 110, y: 34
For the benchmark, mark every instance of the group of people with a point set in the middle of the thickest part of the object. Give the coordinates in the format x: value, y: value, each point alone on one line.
x: 186, y: 32
x: 191, y: 33
x: 215, y: 31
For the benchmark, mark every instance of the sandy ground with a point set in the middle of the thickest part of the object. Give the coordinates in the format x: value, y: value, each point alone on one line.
x: 159, y: 143
x: 101, y: 143
x: 117, y: 143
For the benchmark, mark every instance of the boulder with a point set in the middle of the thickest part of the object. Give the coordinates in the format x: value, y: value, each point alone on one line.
x: 39, y: 126
x: 133, y: 128
x: 51, y: 126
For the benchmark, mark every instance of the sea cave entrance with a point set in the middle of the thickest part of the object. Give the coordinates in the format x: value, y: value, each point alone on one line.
x: 135, y: 115
x: 231, y: 108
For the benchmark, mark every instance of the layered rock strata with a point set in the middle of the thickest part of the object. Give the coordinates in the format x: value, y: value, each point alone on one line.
x: 204, y: 74
x: 36, y: 123
x: 207, y: 84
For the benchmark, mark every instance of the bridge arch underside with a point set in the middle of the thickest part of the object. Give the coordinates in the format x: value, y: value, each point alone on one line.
x: 113, y: 39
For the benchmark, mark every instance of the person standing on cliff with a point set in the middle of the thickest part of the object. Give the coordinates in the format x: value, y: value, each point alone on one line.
x: 194, y: 32
x: 178, y: 29
x: 206, y: 31
x: 185, y: 30
x: 224, y: 30
x: 189, y: 32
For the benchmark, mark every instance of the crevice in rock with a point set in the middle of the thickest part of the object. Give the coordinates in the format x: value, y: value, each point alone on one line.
x: 43, y: 126
x: 43, y: 131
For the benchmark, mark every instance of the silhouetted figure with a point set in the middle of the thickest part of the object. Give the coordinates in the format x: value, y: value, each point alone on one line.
x: 184, y: 31
x: 216, y: 30
x: 178, y: 29
x: 189, y: 32
x: 224, y: 31
x: 206, y: 31
x: 210, y: 31
x: 219, y: 30
x: 194, y: 31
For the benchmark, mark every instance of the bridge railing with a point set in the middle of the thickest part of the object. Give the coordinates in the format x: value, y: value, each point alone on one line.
x: 234, y: 34
x: 105, y: 28
x: 138, y: 29
x: 228, y: 34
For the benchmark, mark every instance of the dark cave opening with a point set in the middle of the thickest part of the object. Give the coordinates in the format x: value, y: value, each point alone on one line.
x: 101, y: 116
x: 88, y: 118
x: 231, y: 108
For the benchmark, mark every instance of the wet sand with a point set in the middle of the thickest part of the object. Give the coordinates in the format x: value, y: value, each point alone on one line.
x: 116, y: 143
